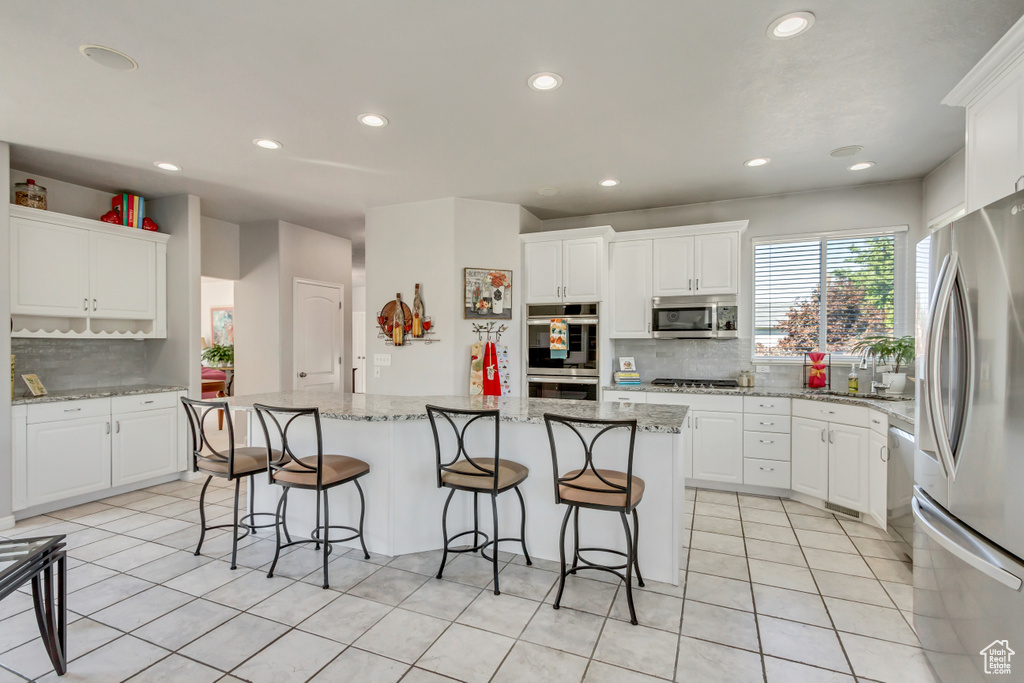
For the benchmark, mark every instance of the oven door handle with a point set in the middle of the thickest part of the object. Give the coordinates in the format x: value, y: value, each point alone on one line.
x: 562, y: 380
x: 568, y: 319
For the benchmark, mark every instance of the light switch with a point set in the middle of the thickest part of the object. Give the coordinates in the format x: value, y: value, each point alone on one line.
x: 382, y: 359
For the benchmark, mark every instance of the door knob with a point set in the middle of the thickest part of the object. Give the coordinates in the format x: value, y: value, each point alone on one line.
x: 302, y: 374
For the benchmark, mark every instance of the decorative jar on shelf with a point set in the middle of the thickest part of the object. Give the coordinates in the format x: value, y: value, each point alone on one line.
x: 29, y: 194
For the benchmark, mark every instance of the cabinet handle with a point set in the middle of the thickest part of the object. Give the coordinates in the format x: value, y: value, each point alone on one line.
x: 85, y: 304
x: 883, y: 449
x: 823, y: 430
x: 698, y: 285
x: 94, y: 304
x: 696, y: 423
x: 687, y: 420
x: 874, y: 421
x: 108, y: 428
x: 831, y: 436
x: 828, y: 412
x: 144, y: 402
x: 118, y: 426
x: 72, y: 410
x: 648, y: 327
x: 767, y: 469
x: 689, y: 284
x: 768, y: 441
x: 766, y: 405
x: 767, y: 424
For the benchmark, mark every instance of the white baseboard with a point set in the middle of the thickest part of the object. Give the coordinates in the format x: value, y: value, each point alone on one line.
x: 6, y: 522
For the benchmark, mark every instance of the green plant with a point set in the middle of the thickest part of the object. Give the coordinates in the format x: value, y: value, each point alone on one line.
x: 220, y: 354
x: 898, y: 351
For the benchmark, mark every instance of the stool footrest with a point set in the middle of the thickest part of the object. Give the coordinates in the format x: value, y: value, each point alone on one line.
x: 315, y: 536
x: 472, y: 549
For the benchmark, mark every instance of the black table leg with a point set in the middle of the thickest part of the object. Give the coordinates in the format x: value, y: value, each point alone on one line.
x: 52, y: 618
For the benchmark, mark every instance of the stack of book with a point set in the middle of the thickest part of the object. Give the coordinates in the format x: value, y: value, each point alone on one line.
x: 132, y: 208
x: 627, y: 378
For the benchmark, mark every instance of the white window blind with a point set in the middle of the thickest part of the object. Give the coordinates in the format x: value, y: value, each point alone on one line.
x: 791, y: 317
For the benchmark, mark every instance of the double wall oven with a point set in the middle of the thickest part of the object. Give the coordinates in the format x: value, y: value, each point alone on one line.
x: 576, y: 375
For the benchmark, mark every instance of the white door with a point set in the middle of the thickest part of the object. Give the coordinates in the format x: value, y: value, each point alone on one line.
x: 145, y: 445
x: 49, y: 269
x: 848, y: 466
x: 67, y: 458
x: 810, y: 457
x: 878, y: 475
x: 316, y: 335
x: 673, y: 266
x: 716, y: 263
x: 582, y: 266
x: 359, y: 352
x: 543, y: 266
x: 718, y: 446
x: 630, y: 290
x: 122, y: 278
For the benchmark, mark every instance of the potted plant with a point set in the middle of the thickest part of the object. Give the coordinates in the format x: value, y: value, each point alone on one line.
x: 890, y: 350
x: 219, y: 355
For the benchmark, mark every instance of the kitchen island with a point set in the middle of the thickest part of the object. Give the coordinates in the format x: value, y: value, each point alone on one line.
x: 404, y: 505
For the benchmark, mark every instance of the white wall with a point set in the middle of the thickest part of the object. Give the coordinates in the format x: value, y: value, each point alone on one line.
x: 258, y: 311
x: 430, y: 243
x: 219, y: 249
x: 945, y: 188
x: 6, y: 176
x: 358, y: 298
x: 74, y: 200
x: 213, y: 292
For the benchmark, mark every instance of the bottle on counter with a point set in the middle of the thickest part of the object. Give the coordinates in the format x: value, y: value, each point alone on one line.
x: 853, y: 381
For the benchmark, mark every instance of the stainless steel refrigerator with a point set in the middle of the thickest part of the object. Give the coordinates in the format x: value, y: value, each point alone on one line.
x: 969, y: 471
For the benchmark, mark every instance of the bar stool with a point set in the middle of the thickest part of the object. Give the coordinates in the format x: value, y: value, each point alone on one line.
x: 319, y: 472
x: 597, y: 489
x: 477, y: 475
x: 236, y: 464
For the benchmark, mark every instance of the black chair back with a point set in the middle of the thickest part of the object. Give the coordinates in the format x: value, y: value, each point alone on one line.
x: 282, y: 420
x: 604, y: 427
x: 451, y: 415
x: 202, y: 450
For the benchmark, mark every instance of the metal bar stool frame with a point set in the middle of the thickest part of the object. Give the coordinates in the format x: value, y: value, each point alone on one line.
x: 288, y: 459
x: 573, y: 507
x: 478, y: 470
x: 196, y: 411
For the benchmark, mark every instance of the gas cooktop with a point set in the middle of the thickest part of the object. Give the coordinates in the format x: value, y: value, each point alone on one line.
x: 698, y: 383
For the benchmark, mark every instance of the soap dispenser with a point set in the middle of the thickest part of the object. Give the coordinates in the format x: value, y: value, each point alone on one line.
x: 853, y: 382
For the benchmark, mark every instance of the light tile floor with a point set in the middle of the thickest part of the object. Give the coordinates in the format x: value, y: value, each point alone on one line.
x: 771, y: 590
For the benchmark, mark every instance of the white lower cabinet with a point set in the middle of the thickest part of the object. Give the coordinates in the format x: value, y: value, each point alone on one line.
x: 145, y: 445
x: 810, y: 457
x: 878, y: 477
x: 848, y: 466
x: 773, y: 473
x: 67, y: 458
x: 718, y: 446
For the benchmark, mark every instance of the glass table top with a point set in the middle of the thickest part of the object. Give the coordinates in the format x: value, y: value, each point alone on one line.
x: 16, y: 553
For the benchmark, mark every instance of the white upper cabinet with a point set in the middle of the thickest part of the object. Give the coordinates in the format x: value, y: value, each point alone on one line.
x: 565, y: 270
x: 673, y: 266
x: 716, y: 263
x: 582, y: 265
x: 123, y: 277
x: 630, y: 291
x: 543, y: 265
x: 49, y: 269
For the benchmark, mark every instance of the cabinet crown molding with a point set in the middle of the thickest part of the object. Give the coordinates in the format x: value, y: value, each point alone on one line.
x: 605, y: 231
x: 681, y: 231
x: 69, y: 221
x: 1003, y: 57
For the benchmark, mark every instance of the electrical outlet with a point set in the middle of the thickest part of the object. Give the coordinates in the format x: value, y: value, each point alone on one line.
x: 376, y: 371
x: 382, y: 359
x: 763, y: 368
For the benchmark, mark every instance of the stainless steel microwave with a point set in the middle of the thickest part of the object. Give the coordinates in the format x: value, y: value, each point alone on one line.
x: 691, y: 317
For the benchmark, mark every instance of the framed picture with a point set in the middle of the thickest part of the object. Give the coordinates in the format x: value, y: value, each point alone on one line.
x: 222, y: 325
x: 488, y: 294
x: 34, y: 385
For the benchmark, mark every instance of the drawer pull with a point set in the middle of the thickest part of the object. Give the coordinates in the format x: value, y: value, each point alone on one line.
x: 767, y: 441
x: 874, y: 421
x: 72, y: 410
x: 828, y: 412
x: 768, y: 424
x: 766, y: 405
x: 150, y: 401
x: 767, y: 469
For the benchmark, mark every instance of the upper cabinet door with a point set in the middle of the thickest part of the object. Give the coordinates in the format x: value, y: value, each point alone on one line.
x: 582, y: 265
x: 630, y: 291
x: 123, y: 281
x: 994, y: 144
x: 716, y: 263
x: 673, y: 266
x: 49, y: 269
x: 543, y: 267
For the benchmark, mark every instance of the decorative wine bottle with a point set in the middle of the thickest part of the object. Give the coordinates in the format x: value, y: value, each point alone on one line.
x: 417, y: 313
x: 398, y: 318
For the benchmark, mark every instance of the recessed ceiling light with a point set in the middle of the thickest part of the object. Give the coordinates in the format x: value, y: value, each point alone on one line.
x: 267, y: 143
x: 846, y: 151
x: 373, y: 120
x: 757, y: 161
x: 545, y: 81
x: 860, y: 166
x: 547, y: 191
x: 109, y: 57
x: 166, y: 166
x: 609, y: 182
x: 790, y: 25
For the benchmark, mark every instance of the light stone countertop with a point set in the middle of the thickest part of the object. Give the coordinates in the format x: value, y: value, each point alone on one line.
x: 96, y: 392
x: 382, y: 408
x: 899, y: 408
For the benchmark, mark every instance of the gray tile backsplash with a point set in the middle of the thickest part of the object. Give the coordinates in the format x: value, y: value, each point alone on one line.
x: 79, y: 363
x: 701, y: 359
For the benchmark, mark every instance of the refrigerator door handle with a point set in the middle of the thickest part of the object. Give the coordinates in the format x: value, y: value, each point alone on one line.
x: 965, y: 546
x: 933, y: 389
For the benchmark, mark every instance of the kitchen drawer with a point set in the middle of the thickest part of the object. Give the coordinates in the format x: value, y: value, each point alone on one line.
x: 766, y: 423
x: 766, y: 446
x: 879, y: 423
x: 766, y: 473
x: 766, y: 405
x: 710, y: 402
x: 624, y: 396
x: 68, y: 410
x: 136, y: 402
x: 838, y: 413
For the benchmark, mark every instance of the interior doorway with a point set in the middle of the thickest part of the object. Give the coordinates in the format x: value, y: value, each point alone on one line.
x: 217, y: 326
x: 317, y: 334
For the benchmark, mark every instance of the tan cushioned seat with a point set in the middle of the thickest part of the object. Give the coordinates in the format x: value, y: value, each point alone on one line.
x: 604, y: 496
x: 247, y: 461
x: 509, y: 474
x: 336, y: 468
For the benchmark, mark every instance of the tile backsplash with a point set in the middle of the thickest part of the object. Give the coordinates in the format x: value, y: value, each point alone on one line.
x: 701, y: 359
x: 79, y: 363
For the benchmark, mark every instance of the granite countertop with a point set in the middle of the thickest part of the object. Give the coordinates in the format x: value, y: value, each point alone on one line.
x: 899, y: 408
x: 381, y: 408
x: 96, y: 392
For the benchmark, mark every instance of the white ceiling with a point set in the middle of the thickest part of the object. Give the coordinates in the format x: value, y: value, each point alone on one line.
x: 668, y: 96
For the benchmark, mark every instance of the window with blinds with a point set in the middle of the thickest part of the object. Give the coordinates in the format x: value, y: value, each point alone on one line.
x: 822, y: 294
